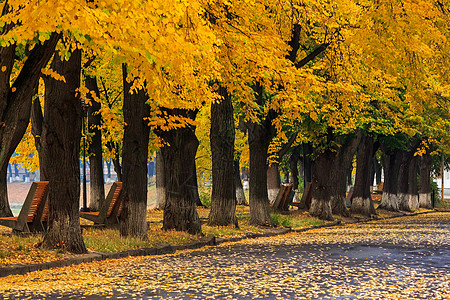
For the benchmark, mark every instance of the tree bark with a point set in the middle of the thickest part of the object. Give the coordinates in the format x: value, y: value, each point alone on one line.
x: 293, y: 166
x: 329, y: 178
x: 112, y: 146
x: 160, y: 188
x: 378, y: 171
x: 338, y: 183
x: 425, y: 166
x: 408, y: 196
x: 37, y: 119
x: 362, y: 200
x: 240, y: 195
x: 5, y: 210
x: 222, y: 134
x: 259, y: 139
x: 133, y: 219
x: 320, y: 194
x: 180, y: 211
x: 194, y: 184
x: 308, y: 166
x: 391, y: 166
x: 61, y: 137
x: 273, y: 181
x: 15, y: 103
x: 97, y: 182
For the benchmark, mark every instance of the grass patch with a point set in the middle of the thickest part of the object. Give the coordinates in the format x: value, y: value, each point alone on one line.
x: 24, y: 250
x: 442, y: 204
x: 295, y: 219
x: 109, y: 240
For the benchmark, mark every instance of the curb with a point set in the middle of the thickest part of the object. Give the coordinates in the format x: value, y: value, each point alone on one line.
x: 161, y: 249
x: 399, y: 215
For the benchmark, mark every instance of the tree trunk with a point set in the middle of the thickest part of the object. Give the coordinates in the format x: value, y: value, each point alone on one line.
x: 117, y: 166
x: 180, y: 211
x: 308, y: 166
x: 340, y: 167
x: 408, y: 196
x: 5, y: 210
x: 273, y: 181
x: 391, y: 166
x: 329, y: 178
x: 362, y: 200
x: 16, y: 101
x: 37, y: 119
x: 160, y: 188
x: 222, y: 133
x: 133, y: 219
x: 425, y: 166
x: 97, y: 182
x: 321, y: 195
x: 378, y: 171
x: 240, y: 195
x: 293, y: 166
x: 112, y: 146
x: 258, y: 139
x: 61, y: 137
x: 194, y: 185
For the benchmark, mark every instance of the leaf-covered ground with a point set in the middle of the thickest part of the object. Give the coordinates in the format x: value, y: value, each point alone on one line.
x: 401, y: 258
x: 25, y: 250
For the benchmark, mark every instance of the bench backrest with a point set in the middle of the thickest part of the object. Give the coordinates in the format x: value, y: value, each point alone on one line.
x: 115, y: 199
x: 39, y: 198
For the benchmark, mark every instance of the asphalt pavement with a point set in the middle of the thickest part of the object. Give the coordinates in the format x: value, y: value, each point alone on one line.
x: 401, y: 258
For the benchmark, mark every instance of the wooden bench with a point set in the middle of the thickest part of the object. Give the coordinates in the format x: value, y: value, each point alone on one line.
x: 34, y: 210
x: 284, y: 197
x: 110, y: 212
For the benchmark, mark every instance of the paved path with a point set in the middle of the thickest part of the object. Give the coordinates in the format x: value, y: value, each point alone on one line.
x: 402, y: 258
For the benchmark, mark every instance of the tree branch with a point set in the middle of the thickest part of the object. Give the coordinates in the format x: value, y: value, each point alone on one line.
x: 312, y: 55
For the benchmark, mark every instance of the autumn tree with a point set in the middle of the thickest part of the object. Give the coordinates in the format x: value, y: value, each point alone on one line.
x: 61, y: 136
x: 95, y: 148
x: 17, y: 92
x: 133, y: 218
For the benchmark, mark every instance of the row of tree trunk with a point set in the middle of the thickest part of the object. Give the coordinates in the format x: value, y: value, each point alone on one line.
x: 58, y: 134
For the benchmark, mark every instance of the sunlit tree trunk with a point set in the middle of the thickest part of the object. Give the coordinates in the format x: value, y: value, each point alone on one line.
x: 97, y: 180
x: 273, y: 181
x: 180, y: 211
x: 222, y: 134
x: 362, y: 200
x: 61, y: 137
x: 160, y: 188
x: 240, y: 195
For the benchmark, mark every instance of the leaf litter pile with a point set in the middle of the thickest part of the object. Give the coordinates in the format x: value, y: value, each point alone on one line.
x: 402, y: 258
